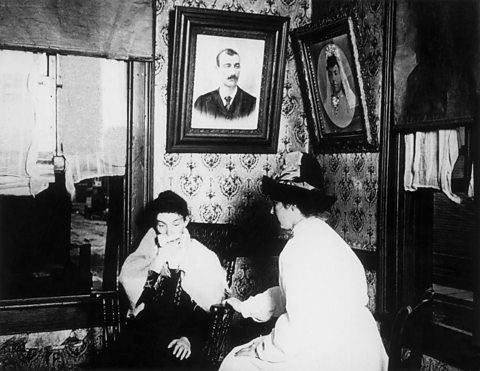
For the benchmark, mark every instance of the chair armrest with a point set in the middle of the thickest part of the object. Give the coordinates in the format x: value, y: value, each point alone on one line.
x: 221, y: 321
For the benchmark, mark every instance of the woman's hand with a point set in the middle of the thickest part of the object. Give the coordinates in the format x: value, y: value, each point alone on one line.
x: 181, y: 348
x: 168, y: 247
x: 235, y: 303
x: 164, y: 240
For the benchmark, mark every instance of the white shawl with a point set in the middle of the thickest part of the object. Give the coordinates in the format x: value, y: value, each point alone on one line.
x: 204, y: 278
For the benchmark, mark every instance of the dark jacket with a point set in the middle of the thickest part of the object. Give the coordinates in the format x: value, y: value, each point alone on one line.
x: 212, y: 104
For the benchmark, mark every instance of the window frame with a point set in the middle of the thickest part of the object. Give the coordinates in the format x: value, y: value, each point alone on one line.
x: 101, y: 307
x: 405, y: 271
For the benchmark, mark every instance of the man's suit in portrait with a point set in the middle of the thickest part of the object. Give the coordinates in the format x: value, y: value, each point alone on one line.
x: 211, y: 104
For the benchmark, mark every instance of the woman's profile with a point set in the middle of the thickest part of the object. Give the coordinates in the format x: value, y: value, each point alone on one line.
x: 320, y: 304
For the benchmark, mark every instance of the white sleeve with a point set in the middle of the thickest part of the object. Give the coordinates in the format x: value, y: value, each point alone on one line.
x: 287, y: 338
x: 263, y: 306
x: 135, y: 268
x: 320, y: 286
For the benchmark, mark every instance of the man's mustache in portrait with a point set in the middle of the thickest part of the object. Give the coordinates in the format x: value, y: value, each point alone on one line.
x: 233, y: 77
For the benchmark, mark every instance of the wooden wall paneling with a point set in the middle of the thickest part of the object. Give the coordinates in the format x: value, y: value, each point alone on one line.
x: 139, y: 172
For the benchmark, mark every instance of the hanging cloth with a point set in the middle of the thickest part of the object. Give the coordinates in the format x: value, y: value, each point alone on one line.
x: 471, y: 192
x: 92, y: 117
x: 120, y: 29
x: 27, y: 130
x: 429, y: 161
x: 91, y: 126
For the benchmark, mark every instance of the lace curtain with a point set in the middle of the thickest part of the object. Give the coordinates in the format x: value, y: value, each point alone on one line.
x: 92, y: 117
x: 27, y: 135
x: 430, y: 158
x: 86, y: 122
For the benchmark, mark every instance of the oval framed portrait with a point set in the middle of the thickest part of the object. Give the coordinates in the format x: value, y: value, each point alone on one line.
x: 336, y: 84
x: 332, y: 87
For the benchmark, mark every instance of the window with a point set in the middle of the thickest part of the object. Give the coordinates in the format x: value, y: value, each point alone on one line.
x: 37, y: 228
x: 426, y: 239
x: 453, y: 244
x: 62, y: 171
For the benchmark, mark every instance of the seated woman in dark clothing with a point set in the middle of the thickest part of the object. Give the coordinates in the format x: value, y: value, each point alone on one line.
x: 171, y: 282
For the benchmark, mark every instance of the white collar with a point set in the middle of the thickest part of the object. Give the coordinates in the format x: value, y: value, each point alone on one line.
x: 223, y: 94
x: 305, y: 224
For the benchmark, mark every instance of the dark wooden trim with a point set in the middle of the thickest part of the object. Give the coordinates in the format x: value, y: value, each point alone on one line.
x: 139, y: 184
x: 114, y: 238
x: 128, y: 176
x: 386, y: 273
x: 432, y: 124
x: 149, y: 134
x: 476, y: 164
x: 56, y: 313
x: 452, y: 347
x: 52, y: 50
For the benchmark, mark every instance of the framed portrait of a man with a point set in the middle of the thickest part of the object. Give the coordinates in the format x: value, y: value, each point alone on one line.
x: 332, y: 86
x: 226, y: 86
x: 226, y: 81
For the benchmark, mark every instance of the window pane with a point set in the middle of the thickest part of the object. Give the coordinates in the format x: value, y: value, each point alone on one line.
x: 55, y: 243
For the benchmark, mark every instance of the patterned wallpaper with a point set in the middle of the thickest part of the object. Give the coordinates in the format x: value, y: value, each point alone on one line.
x: 223, y: 188
x: 56, y: 350
x: 353, y: 179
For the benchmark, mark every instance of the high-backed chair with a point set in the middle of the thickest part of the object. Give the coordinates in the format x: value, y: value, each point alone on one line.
x: 408, y: 334
x: 225, y: 240
x: 246, y: 275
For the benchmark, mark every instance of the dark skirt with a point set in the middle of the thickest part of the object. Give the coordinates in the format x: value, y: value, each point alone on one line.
x: 169, y: 314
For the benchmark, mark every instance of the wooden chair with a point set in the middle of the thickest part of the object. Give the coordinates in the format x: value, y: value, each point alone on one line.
x: 225, y: 240
x: 228, y: 241
x: 408, y: 334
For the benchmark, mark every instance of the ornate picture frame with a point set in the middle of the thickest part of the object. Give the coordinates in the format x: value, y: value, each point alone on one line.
x: 332, y: 87
x: 217, y: 54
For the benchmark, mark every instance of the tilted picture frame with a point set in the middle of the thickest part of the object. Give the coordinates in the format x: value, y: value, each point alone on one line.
x: 207, y: 46
x: 332, y: 87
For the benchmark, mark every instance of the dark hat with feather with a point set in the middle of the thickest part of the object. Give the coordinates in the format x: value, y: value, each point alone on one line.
x: 300, y: 182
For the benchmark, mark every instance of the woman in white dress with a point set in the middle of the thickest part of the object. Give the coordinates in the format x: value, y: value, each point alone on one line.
x: 323, y: 321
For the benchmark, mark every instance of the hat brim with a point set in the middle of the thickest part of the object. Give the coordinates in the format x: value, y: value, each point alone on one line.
x: 287, y: 193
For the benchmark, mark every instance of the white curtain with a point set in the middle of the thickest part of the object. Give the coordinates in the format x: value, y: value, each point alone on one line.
x: 429, y: 161
x: 86, y: 123
x: 92, y: 117
x: 470, y: 191
x: 27, y: 134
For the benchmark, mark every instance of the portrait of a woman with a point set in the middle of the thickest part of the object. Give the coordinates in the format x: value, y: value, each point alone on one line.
x: 338, y: 92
